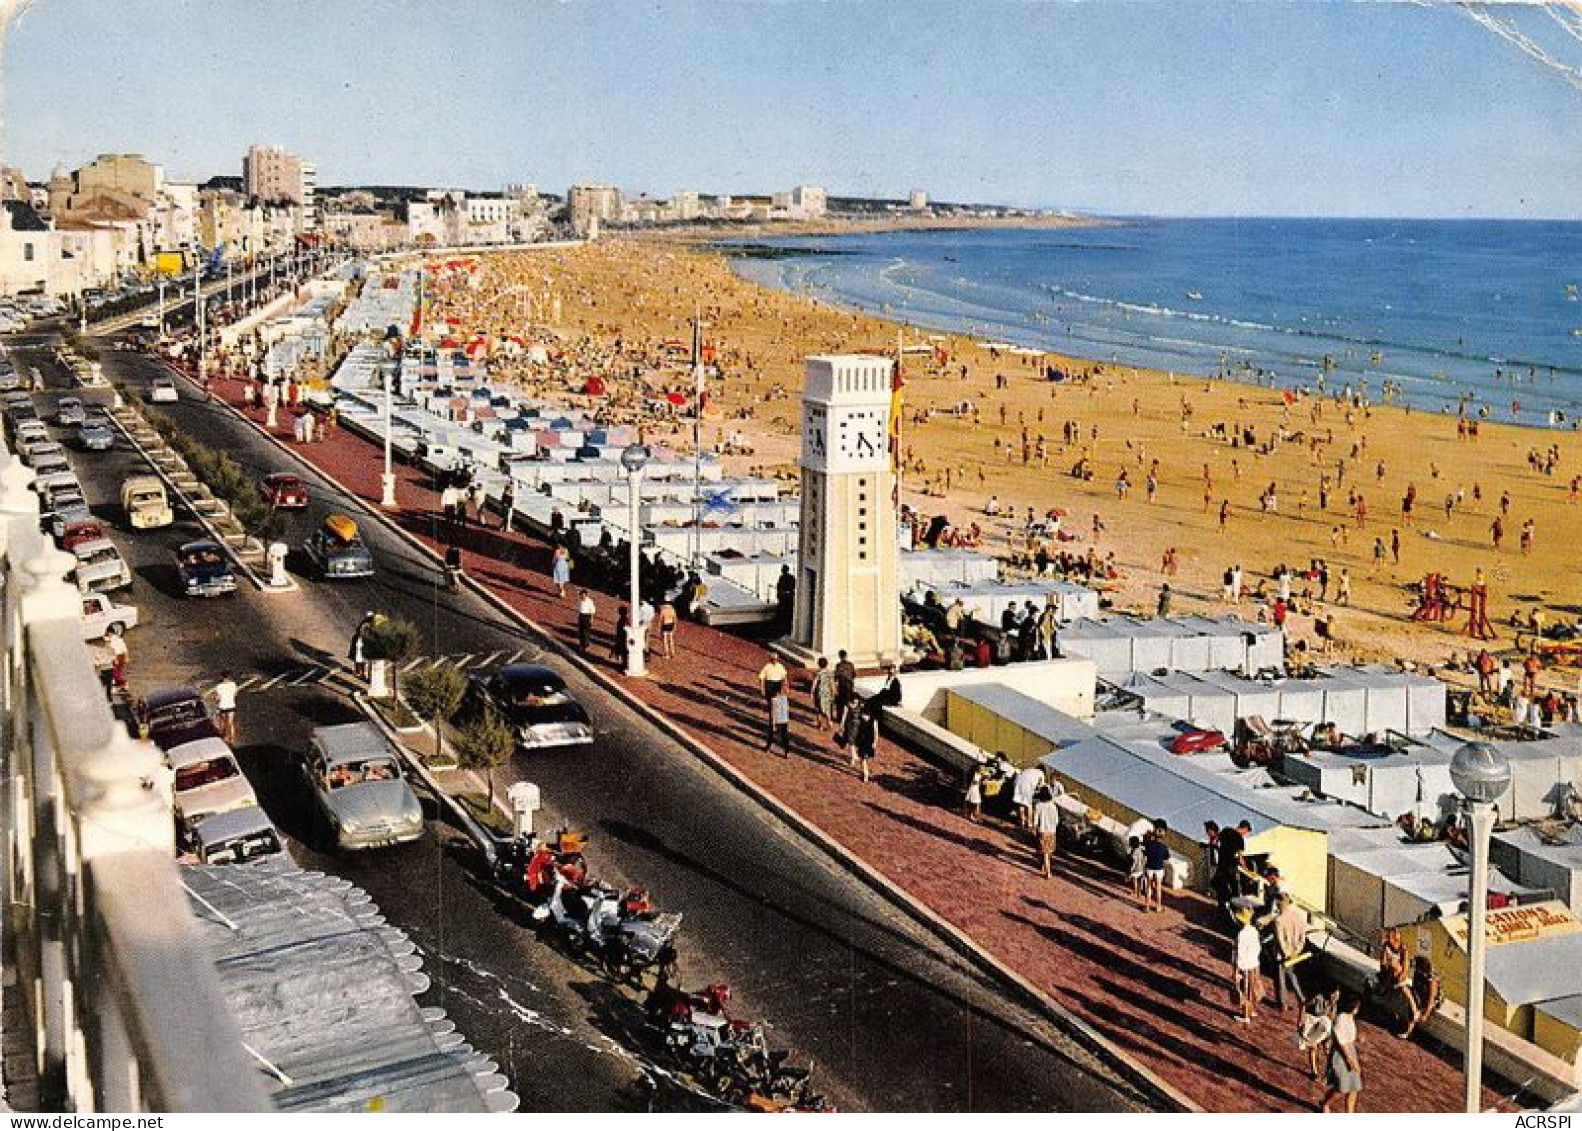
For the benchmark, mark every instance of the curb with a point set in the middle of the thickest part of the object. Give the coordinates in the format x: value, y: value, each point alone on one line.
x: 482, y: 837
x: 1146, y: 1080
x: 252, y: 575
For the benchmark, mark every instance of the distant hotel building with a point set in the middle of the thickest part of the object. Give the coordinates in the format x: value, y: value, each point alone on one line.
x: 591, y: 206
x: 275, y: 176
x: 917, y: 201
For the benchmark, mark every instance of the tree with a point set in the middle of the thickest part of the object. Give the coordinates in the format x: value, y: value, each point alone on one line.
x: 392, y: 640
x: 485, y: 743
x: 434, y: 693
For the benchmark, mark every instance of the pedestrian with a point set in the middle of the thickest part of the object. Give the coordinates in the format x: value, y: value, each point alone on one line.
x: 1156, y: 854
x: 667, y: 629
x: 358, y: 652
x: 1046, y: 825
x: 225, y: 707
x: 1137, y: 870
x: 1162, y: 606
x: 845, y: 681
x: 865, y: 740
x: 1314, y: 1025
x: 823, y: 694
x: 973, y: 802
x: 772, y: 677
x: 620, y: 642
x: 585, y: 613
x: 1024, y: 789
x: 1345, y: 1066
x: 779, y: 723
x: 1343, y: 590
x: 508, y: 507
x: 115, y: 647
x: 1249, y: 981
x: 560, y: 569
x: 1290, y: 948
x: 1395, y: 975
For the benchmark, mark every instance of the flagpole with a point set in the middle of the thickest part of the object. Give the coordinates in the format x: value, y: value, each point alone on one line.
x: 898, y: 461
x: 697, y: 438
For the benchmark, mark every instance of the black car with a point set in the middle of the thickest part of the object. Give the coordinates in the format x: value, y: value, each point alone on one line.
x: 534, y: 701
x: 205, y: 569
x: 175, y: 716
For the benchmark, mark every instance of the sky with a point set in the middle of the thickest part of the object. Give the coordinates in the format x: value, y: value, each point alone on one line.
x: 1174, y: 107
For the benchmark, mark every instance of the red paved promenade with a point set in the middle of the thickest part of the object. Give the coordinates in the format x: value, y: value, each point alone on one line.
x: 1157, y: 986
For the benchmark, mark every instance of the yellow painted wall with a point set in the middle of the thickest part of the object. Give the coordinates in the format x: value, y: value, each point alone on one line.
x: 1557, y: 1038
x: 1302, y: 855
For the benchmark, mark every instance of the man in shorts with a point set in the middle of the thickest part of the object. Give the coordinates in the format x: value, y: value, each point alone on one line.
x: 225, y: 706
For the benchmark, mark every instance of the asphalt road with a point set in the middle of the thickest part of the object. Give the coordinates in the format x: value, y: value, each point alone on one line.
x: 891, y: 1018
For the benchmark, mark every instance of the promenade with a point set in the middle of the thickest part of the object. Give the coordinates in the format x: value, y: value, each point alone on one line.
x: 1157, y: 986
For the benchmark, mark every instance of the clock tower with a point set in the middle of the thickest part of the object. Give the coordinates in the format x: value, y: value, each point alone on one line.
x: 847, y: 594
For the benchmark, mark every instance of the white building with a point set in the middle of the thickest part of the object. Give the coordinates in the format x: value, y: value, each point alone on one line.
x: 917, y: 200
x: 687, y: 205
x: 808, y: 202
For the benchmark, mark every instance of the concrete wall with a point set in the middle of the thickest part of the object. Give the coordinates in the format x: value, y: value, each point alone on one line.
x: 1066, y: 684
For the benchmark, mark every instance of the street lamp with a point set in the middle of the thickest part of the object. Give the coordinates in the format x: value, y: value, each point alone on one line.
x: 634, y: 458
x: 387, y: 481
x: 1482, y: 774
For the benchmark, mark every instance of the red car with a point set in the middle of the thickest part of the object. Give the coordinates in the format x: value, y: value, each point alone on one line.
x: 285, y: 492
x: 78, y: 532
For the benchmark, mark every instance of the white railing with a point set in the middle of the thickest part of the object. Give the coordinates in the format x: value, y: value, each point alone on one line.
x: 122, y: 999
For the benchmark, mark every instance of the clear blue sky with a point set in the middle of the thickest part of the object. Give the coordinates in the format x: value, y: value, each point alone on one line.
x: 1166, y: 108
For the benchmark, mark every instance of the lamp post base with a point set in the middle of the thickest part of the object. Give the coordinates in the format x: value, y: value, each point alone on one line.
x: 387, y: 485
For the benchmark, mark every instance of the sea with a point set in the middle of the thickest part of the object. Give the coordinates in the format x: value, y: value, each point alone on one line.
x: 1478, y: 316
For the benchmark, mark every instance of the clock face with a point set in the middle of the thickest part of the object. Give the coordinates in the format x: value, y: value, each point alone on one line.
x: 861, y: 436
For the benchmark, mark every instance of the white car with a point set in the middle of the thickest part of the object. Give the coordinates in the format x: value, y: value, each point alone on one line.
x: 100, y: 567
x: 70, y: 412
x: 31, y: 432
x: 208, y: 779
x: 100, y: 615
x: 41, y: 449
x: 163, y: 391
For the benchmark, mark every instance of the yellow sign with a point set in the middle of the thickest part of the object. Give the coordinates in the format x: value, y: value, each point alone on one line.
x: 1520, y: 924
x: 170, y: 262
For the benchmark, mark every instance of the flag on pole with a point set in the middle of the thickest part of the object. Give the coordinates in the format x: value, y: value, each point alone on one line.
x: 897, y: 383
x: 701, y: 396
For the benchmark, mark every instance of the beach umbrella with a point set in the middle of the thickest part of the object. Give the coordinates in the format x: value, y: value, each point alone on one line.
x: 595, y: 387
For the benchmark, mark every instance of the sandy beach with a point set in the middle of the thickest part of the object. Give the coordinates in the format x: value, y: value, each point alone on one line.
x: 982, y: 423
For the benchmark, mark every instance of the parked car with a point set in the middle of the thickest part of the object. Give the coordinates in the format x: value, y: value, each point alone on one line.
x: 336, y: 550
x: 65, y: 509
x: 70, y: 412
x: 358, y: 788
x: 208, y: 779
x: 52, y: 463
x: 95, y: 436
x: 41, y: 449
x: 145, y: 502
x: 100, y: 567
x: 285, y: 491
x: 31, y: 432
x: 233, y: 837
x: 162, y: 390
x: 76, y: 533
x: 100, y: 615
x: 534, y: 702
x: 205, y: 569
x: 9, y: 379
x: 176, y: 715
